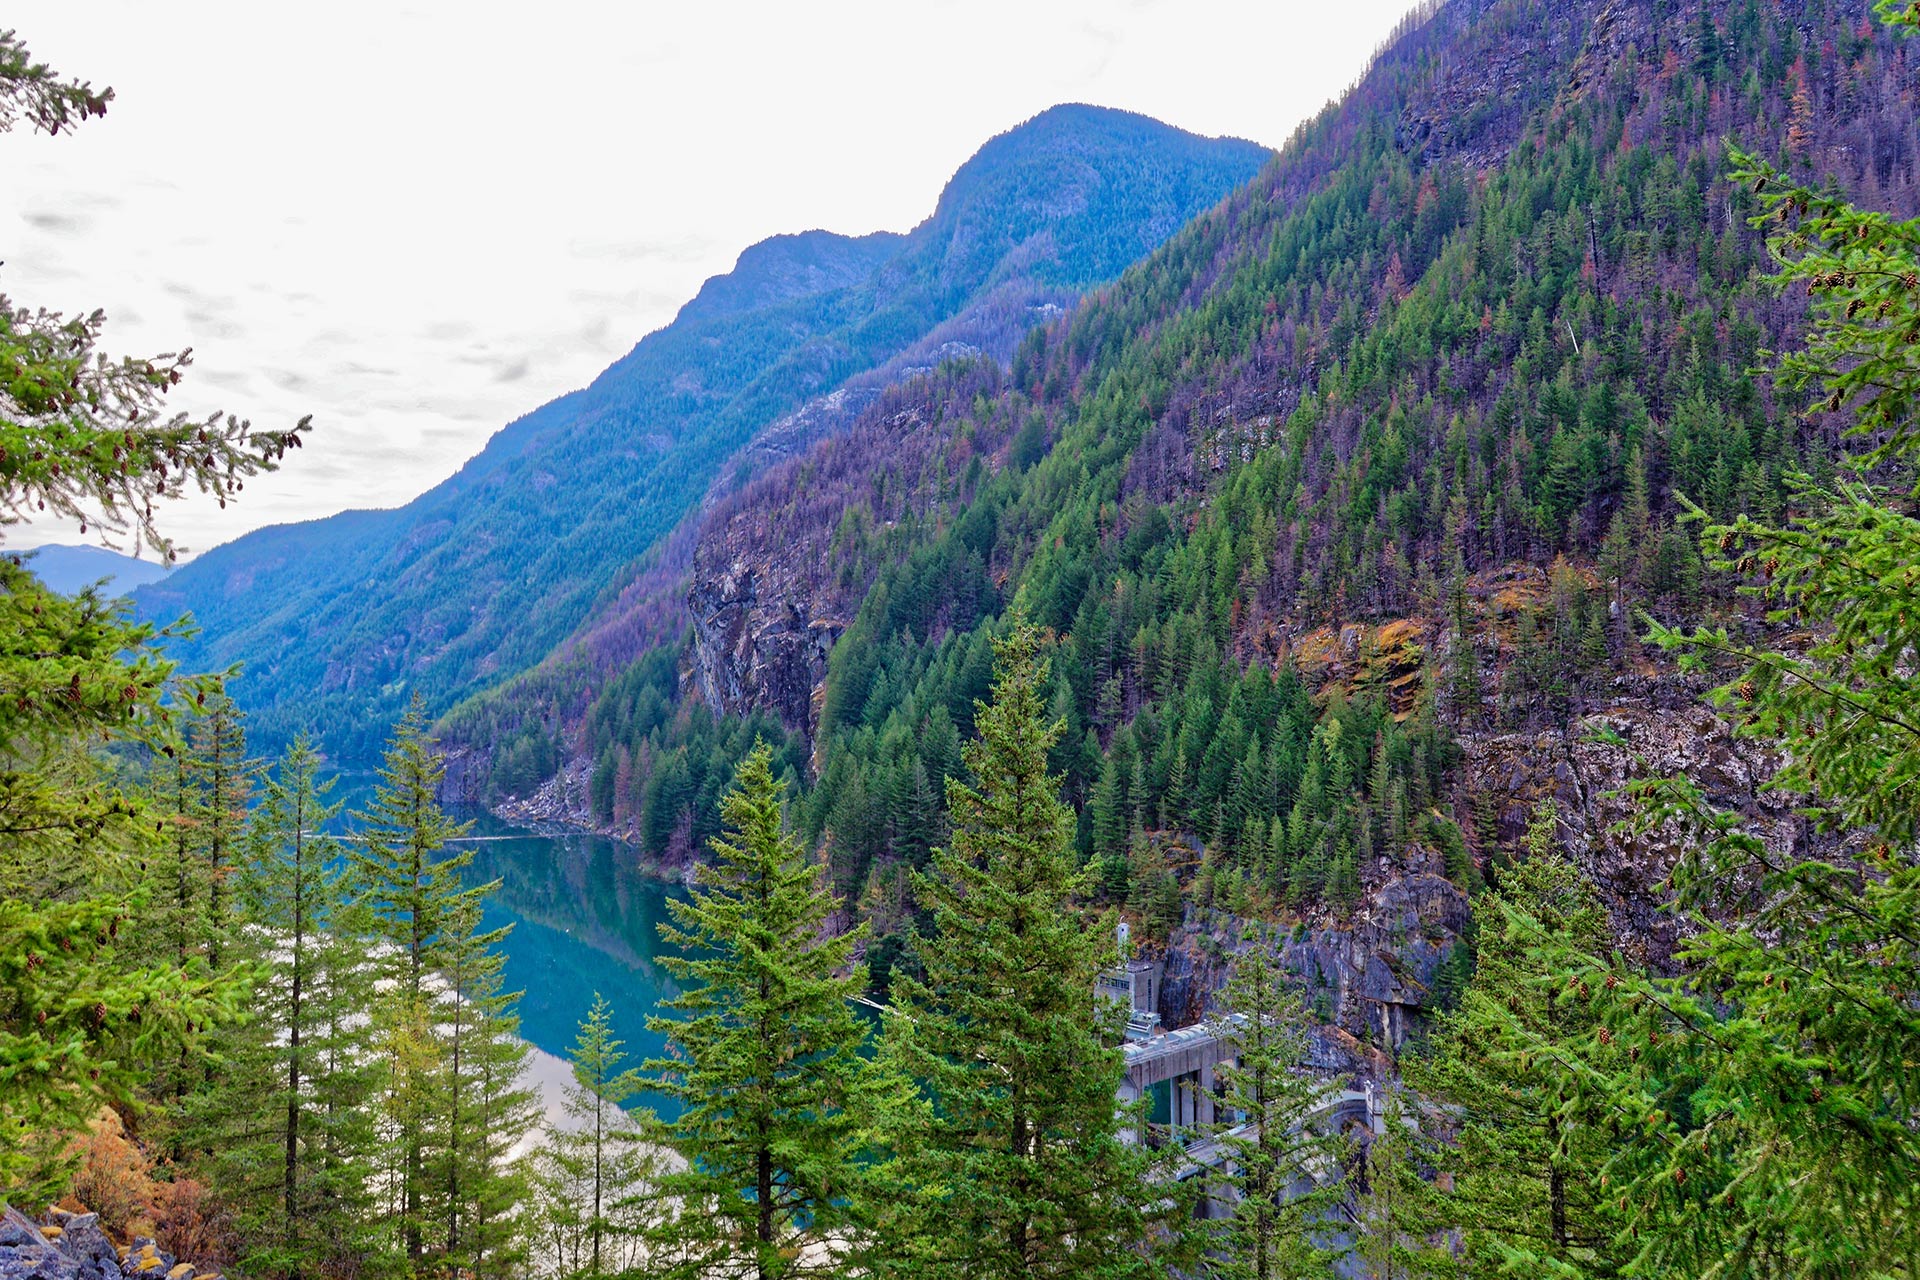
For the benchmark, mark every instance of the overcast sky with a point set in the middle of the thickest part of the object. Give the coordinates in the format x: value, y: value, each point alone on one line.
x: 418, y: 221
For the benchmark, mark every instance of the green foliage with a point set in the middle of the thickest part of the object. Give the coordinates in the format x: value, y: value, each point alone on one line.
x: 1398, y: 1235
x: 1371, y: 389
x: 1282, y: 1173
x: 292, y: 1149
x: 410, y: 893
x: 82, y: 434
x: 452, y: 1102
x: 595, y: 1201
x: 1763, y: 1120
x: 87, y: 1006
x: 1008, y: 1160
x: 495, y: 568
x: 766, y: 1062
x: 482, y: 1105
x: 1522, y: 1147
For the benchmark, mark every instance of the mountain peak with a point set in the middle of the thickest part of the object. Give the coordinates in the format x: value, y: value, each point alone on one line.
x: 788, y: 266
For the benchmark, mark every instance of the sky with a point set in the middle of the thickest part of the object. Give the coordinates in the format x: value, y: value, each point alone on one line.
x: 417, y: 222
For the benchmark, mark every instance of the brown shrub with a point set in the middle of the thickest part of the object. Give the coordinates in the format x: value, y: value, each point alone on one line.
x: 115, y: 1178
x: 191, y: 1224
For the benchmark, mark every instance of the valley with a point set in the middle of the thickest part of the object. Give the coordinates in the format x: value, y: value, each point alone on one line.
x: 1204, y: 711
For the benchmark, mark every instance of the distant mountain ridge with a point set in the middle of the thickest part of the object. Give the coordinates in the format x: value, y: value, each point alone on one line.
x: 338, y: 621
x: 69, y: 568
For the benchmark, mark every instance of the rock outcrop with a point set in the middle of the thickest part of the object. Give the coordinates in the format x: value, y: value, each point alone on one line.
x: 1583, y: 770
x: 71, y: 1246
x: 758, y: 643
x: 1368, y: 979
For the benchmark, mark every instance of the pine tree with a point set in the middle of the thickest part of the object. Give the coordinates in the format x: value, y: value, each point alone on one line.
x: 211, y: 1104
x: 483, y: 1106
x: 1764, y: 1112
x: 217, y: 753
x: 1398, y: 1234
x: 1282, y: 1177
x: 1012, y: 1150
x: 88, y: 1010
x: 413, y: 903
x: 303, y: 1078
x: 1522, y: 1154
x: 595, y: 1192
x: 766, y: 1065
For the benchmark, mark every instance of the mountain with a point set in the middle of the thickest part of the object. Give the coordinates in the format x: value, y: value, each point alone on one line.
x: 68, y: 568
x: 339, y: 621
x: 1339, y: 509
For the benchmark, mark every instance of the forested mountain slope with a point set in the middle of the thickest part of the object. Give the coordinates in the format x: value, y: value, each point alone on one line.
x: 338, y: 621
x: 1365, y: 469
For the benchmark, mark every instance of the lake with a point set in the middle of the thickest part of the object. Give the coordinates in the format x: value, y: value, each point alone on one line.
x: 584, y: 920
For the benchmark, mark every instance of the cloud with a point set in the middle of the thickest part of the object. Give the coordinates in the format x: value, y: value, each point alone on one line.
x: 213, y: 324
x: 418, y: 279
x: 226, y: 379
x: 58, y: 224
x: 596, y: 331
x: 673, y: 249
x: 583, y: 298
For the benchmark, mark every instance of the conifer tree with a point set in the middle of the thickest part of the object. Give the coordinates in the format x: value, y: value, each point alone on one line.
x: 1765, y: 1110
x: 1282, y: 1175
x: 296, y: 1173
x: 217, y: 753
x: 765, y: 1055
x: 484, y: 1106
x: 414, y: 906
x: 1013, y: 1149
x: 595, y: 1180
x: 212, y: 1104
x: 1523, y: 1146
x: 87, y: 1009
x: 1398, y: 1235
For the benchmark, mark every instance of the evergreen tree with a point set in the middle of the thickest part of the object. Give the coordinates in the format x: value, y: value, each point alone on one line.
x: 212, y: 1105
x: 1013, y: 1150
x: 1523, y: 1145
x: 595, y: 1192
x: 296, y: 1175
x: 483, y: 1106
x: 1397, y: 1233
x: 413, y: 904
x: 1282, y: 1174
x: 88, y: 1009
x: 217, y: 754
x: 1765, y: 1112
x: 766, y: 1063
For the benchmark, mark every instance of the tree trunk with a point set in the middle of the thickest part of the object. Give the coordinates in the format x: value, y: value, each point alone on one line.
x: 763, y: 1187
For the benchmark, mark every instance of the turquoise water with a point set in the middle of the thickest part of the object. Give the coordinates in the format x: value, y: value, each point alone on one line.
x: 584, y: 921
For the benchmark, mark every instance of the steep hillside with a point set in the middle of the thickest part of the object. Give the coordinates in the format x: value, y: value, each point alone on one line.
x: 1361, y: 476
x: 338, y: 621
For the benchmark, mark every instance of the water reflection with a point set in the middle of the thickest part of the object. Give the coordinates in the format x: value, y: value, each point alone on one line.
x: 584, y: 920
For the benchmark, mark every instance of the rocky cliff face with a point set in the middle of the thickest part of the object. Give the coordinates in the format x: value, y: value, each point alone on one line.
x: 781, y: 566
x: 759, y: 637
x: 1582, y: 769
x: 1370, y: 979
